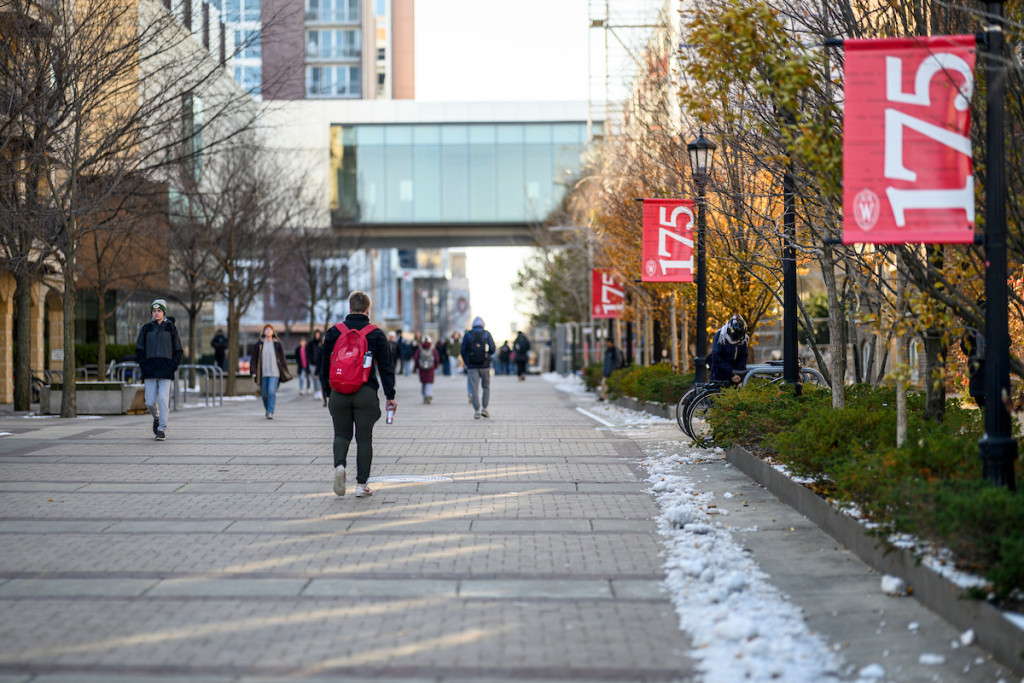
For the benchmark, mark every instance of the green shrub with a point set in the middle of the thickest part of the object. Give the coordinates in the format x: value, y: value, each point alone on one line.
x: 930, y: 486
x: 592, y: 376
x: 654, y: 384
x: 86, y: 354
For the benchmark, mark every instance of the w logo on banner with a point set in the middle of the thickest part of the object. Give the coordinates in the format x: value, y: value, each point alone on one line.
x: 907, y: 161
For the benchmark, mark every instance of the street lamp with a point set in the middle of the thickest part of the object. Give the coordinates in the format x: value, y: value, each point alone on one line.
x: 997, y: 448
x: 702, y: 158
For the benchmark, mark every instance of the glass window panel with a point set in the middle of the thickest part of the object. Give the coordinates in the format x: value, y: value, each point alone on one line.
x: 426, y: 135
x: 371, y: 183
x: 369, y: 135
x: 481, y: 134
x: 251, y: 11
x: 398, y: 183
x: 566, y: 133
x: 454, y: 134
x: 511, y: 189
x: 482, y: 178
x: 454, y: 182
x: 538, y: 162
x: 510, y: 133
x: 427, y: 178
x: 398, y: 135
x: 232, y: 10
x: 538, y: 133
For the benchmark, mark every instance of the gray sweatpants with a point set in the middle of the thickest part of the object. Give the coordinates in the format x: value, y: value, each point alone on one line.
x: 158, y: 394
x: 480, y: 381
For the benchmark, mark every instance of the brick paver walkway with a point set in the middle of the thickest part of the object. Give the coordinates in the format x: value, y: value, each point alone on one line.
x: 519, y: 547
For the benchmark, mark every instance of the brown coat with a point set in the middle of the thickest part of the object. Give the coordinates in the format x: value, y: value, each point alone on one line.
x: 257, y: 358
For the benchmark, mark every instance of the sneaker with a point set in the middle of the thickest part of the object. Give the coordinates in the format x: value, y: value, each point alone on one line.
x: 270, y: 416
x: 363, y: 490
x: 429, y: 399
x: 476, y: 416
x: 160, y: 436
x: 484, y: 413
x: 339, y: 481
x: 156, y: 426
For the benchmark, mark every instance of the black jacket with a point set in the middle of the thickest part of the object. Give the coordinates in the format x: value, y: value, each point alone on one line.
x: 158, y: 349
x: 376, y: 342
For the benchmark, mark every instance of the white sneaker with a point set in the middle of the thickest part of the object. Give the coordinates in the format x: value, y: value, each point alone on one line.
x: 476, y: 416
x: 484, y: 413
x: 339, y: 481
x: 363, y: 490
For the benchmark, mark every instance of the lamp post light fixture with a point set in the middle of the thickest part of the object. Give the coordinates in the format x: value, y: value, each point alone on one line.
x: 702, y: 159
x: 997, y: 448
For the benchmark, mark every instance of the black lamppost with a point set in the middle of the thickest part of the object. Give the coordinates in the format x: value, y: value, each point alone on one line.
x: 997, y: 448
x: 702, y: 159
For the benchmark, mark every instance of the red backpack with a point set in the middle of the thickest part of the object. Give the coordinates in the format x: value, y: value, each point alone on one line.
x: 348, y: 371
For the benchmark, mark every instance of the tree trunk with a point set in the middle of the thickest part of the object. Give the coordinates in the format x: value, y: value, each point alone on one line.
x: 935, y: 376
x: 232, y: 346
x: 101, y: 328
x: 837, y: 366
x: 23, y: 352
x: 675, y: 336
x: 193, y: 341
x: 69, y: 406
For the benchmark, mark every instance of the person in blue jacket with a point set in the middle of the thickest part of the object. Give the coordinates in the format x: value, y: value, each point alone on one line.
x: 729, y: 351
x: 158, y: 352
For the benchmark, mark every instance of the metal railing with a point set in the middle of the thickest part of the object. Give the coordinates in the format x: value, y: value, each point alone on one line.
x: 214, y: 380
x: 125, y: 372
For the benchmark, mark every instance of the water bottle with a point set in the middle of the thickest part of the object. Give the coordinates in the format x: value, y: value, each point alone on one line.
x: 389, y: 416
x: 367, y: 359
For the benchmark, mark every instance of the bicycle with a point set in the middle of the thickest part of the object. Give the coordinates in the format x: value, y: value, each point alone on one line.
x: 695, y: 405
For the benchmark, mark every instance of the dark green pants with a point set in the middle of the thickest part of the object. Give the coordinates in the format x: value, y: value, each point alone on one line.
x: 354, y: 413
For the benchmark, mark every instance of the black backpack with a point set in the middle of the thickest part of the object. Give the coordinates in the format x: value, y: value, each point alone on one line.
x: 477, y: 354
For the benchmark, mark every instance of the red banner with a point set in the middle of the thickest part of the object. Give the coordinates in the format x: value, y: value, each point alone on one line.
x: 607, y: 297
x: 907, y: 169
x: 667, y: 246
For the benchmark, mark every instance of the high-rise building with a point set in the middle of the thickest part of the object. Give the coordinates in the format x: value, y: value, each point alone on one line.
x: 322, y: 49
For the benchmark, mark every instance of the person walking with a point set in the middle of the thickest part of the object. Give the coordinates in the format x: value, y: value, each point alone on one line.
x: 504, y: 359
x: 477, y: 349
x: 442, y: 357
x: 454, y: 350
x: 406, y: 349
x: 158, y: 352
x: 612, y: 362
x: 521, y: 346
x: 220, y: 349
x: 316, y: 357
x: 270, y: 368
x: 357, y: 412
x: 304, y: 367
x: 729, y: 350
x: 426, y: 359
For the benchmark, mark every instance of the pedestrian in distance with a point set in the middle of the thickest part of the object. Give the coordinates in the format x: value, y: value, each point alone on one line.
x: 521, y: 346
x: 405, y: 347
x: 477, y: 349
x: 729, y: 350
x: 316, y: 350
x: 442, y: 355
x: 270, y: 368
x: 426, y: 359
x: 504, y: 359
x: 304, y: 367
x: 396, y: 355
x: 612, y: 362
x: 353, y: 349
x: 454, y: 350
x: 220, y: 349
x: 158, y: 352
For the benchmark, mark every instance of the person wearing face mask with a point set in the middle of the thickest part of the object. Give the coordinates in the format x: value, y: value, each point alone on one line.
x: 158, y: 352
x: 729, y: 350
x: 270, y: 368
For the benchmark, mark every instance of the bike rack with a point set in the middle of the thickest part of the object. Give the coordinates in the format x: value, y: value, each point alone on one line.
x: 215, y: 378
x: 118, y: 372
x: 773, y: 370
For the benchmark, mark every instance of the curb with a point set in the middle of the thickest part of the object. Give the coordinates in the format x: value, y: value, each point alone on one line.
x: 993, y: 631
x: 667, y: 412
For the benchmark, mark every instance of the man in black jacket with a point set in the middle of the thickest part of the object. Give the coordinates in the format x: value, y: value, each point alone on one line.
x: 158, y: 353
x: 359, y: 411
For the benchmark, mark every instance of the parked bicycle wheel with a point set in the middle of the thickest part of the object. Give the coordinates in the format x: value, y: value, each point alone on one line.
x: 699, y: 429
x: 681, y: 407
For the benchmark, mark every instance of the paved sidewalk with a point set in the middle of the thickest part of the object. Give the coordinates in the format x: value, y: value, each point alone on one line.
x: 520, y: 547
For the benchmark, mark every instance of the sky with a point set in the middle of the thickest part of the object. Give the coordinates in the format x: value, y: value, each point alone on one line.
x: 490, y: 51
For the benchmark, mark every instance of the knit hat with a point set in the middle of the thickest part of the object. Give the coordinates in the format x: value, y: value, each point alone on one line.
x: 161, y: 304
